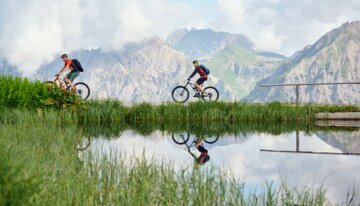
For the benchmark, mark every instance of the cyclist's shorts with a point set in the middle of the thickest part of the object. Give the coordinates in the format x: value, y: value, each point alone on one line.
x: 72, y: 75
x: 202, y: 150
x: 201, y: 80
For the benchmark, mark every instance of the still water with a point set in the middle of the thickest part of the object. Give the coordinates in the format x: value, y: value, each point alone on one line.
x: 301, y: 159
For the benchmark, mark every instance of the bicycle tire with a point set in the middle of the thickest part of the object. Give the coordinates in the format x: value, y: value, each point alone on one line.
x: 211, y: 94
x: 211, y: 141
x: 182, y: 91
x: 83, y: 146
x: 48, y: 82
x: 182, y: 140
x: 84, y: 95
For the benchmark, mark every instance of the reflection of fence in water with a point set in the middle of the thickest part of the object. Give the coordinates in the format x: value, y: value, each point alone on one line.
x: 297, y: 150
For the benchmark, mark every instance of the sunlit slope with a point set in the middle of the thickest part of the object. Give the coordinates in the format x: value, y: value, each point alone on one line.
x: 241, y: 68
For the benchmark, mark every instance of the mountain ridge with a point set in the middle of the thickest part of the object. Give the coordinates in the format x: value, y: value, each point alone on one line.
x: 333, y: 58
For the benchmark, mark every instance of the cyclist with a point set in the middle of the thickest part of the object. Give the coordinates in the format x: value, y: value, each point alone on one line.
x: 204, y: 154
x: 203, y: 77
x: 74, y: 71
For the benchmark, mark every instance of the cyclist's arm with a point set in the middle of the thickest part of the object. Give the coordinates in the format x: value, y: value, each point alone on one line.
x: 62, y: 70
x: 194, y: 72
x: 67, y: 65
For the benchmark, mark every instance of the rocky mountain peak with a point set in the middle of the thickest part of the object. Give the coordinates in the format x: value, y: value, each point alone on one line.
x: 197, y: 43
x: 342, y: 35
x: 333, y: 58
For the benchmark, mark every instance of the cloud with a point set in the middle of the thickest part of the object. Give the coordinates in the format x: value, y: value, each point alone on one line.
x: 34, y: 32
x: 284, y: 26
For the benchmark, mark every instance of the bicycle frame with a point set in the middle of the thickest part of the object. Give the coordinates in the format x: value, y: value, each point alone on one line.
x: 192, y: 85
x: 192, y: 143
x: 60, y: 80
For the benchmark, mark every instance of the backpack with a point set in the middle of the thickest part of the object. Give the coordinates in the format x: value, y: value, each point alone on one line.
x: 206, y: 70
x: 76, y: 64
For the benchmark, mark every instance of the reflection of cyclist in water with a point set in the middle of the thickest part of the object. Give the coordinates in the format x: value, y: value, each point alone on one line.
x: 204, y: 156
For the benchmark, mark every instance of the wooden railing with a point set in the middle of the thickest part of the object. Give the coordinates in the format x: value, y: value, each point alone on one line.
x: 304, y: 84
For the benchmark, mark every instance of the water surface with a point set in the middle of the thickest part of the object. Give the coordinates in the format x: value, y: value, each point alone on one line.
x: 301, y: 159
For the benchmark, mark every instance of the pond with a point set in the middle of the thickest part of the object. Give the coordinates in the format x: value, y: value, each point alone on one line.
x: 301, y: 159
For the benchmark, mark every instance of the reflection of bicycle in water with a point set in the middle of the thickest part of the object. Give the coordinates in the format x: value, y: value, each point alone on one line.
x: 83, y: 145
x: 204, y: 157
x: 184, y: 138
x: 181, y: 93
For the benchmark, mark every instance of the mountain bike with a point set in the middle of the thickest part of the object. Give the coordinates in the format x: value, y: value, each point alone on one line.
x: 184, y: 138
x: 181, y: 93
x: 81, y: 88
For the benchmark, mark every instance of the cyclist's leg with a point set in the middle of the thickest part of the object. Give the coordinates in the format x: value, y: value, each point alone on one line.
x: 198, y: 142
x: 198, y: 84
x: 69, y: 79
x: 66, y: 79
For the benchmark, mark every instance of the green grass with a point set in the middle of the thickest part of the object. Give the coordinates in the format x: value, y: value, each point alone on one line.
x: 39, y: 165
x: 210, y: 118
x: 18, y: 92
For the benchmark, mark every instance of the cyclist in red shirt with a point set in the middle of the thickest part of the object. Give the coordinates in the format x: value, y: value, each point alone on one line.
x: 204, y: 154
x: 74, y: 72
x: 201, y: 80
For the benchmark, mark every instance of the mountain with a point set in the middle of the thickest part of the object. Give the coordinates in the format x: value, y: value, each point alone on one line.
x: 7, y: 69
x: 333, y: 58
x: 200, y: 43
x: 140, y: 72
x: 344, y: 141
x: 241, y: 69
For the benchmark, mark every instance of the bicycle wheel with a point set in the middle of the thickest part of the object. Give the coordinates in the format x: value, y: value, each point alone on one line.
x: 49, y: 84
x: 211, y: 139
x: 82, y: 90
x: 84, y: 145
x: 180, y: 139
x: 211, y: 94
x: 180, y: 94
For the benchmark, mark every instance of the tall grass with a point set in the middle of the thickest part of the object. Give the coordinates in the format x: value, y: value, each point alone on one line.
x: 112, y: 125
x: 39, y: 165
x: 16, y: 92
x: 21, y: 93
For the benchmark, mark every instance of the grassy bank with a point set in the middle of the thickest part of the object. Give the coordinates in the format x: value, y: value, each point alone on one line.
x: 22, y: 94
x: 109, y: 124
x: 39, y: 165
x: 112, y: 111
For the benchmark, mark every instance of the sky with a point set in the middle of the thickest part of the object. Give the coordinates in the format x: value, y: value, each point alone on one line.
x: 34, y: 32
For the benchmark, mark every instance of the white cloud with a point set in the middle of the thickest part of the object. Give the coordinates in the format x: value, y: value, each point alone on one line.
x: 231, y: 12
x: 285, y: 26
x: 34, y: 32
